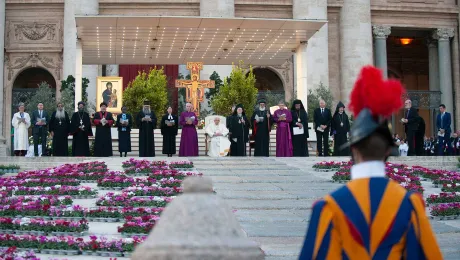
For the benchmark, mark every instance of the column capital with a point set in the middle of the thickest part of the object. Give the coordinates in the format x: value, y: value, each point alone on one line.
x: 381, y: 31
x: 443, y: 34
x: 431, y: 43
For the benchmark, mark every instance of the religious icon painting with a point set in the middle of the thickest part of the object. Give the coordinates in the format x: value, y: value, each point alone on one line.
x: 110, y: 91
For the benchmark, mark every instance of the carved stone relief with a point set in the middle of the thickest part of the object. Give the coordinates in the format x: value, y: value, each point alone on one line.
x: 33, y: 34
x: 15, y: 62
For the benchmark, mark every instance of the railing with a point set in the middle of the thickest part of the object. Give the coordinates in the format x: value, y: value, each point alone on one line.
x: 424, y: 99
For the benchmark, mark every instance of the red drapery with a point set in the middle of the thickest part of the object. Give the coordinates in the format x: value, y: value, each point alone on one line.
x: 129, y: 73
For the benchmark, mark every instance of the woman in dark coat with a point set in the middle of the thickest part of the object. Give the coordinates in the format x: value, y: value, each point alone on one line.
x: 124, y: 124
x: 239, y: 131
x: 340, y: 127
x: 169, y: 124
x: 299, y: 119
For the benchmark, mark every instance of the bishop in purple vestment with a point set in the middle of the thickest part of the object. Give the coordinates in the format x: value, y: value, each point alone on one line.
x: 283, y: 118
x: 189, y: 138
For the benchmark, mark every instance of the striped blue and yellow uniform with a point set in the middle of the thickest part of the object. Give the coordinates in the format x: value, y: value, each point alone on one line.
x: 370, y: 218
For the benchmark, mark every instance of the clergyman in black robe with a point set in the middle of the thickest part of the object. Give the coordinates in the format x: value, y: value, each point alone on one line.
x: 80, y: 128
x: 300, y: 120
x: 340, y: 127
x: 419, y: 135
x: 103, y: 121
x: 239, y: 131
x: 59, y: 128
x: 262, y: 122
x: 146, y: 121
x: 169, y: 126
x: 124, y: 124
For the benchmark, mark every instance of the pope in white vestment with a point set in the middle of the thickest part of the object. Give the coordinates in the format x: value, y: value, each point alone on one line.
x: 220, y: 144
x: 21, y: 124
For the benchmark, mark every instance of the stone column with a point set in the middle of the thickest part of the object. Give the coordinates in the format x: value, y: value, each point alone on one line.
x: 315, y: 68
x: 217, y: 8
x: 381, y: 33
x: 355, y: 42
x: 112, y: 70
x: 2, y: 58
x: 72, y: 8
x: 78, y: 73
x: 433, y: 76
x: 443, y: 36
x: 301, y: 63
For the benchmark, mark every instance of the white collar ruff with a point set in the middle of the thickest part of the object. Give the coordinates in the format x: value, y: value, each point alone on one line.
x: 368, y: 170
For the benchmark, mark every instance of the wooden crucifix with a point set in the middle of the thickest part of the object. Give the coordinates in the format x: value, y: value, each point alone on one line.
x: 195, y: 88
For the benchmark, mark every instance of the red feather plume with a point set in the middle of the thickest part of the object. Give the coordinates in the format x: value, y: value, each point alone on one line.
x: 371, y: 91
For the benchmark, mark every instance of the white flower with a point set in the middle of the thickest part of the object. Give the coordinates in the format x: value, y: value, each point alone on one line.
x: 57, y: 186
x: 47, y: 188
x: 395, y: 169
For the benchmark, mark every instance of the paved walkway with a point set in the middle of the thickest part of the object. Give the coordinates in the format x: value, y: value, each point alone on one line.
x: 273, y: 198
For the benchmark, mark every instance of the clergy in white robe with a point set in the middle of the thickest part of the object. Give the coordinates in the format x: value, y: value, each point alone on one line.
x: 21, y: 124
x: 220, y: 144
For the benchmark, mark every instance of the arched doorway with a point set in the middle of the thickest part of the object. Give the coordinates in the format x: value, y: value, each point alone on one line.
x: 269, y: 84
x: 24, y: 87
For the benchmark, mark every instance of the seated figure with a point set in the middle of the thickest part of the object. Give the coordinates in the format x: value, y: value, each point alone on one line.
x: 220, y: 144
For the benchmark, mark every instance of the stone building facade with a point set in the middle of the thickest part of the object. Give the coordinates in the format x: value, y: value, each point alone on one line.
x: 41, y: 34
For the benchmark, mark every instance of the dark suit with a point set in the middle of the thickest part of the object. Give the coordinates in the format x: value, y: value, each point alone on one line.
x: 322, y: 138
x: 444, y: 122
x: 40, y: 131
x: 411, y: 128
x: 419, y: 135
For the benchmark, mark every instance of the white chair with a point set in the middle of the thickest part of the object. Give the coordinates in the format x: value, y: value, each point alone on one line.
x: 210, y: 120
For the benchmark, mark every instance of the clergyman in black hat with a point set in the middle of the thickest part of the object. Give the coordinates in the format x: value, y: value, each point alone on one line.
x: 80, y: 128
x: 262, y: 122
x: 340, y: 127
x: 146, y: 121
x: 299, y: 123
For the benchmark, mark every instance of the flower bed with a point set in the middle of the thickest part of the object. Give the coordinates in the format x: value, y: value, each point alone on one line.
x: 161, y: 174
x: 45, y: 226
x: 443, y: 197
x: 77, y: 192
x: 123, y: 200
x: 12, y: 253
x: 451, y: 187
x: 152, y: 191
x: 42, y: 199
x: 330, y: 165
x: 34, y: 209
x: 121, y: 182
x: 116, y: 213
x: 69, y: 244
x: 448, y: 209
x: 143, y: 167
x: 342, y: 175
x: 92, y: 176
x: 138, y: 225
x: 181, y: 165
x: 11, y: 168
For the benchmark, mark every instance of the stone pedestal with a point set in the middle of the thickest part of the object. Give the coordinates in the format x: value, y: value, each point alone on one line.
x: 381, y: 33
x: 198, y: 225
x: 443, y: 36
x: 217, y: 8
x: 355, y: 42
x: 316, y: 67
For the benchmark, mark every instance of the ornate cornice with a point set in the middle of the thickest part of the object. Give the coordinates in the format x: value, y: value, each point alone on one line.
x: 381, y: 31
x: 443, y: 34
x: 32, y: 60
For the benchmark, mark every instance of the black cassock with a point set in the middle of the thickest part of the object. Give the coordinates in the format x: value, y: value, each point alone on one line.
x: 299, y: 142
x: 124, y: 133
x: 340, y: 126
x: 103, y: 140
x: 60, y: 128
x: 261, y: 132
x: 80, y: 144
x: 239, y: 131
x: 169, y: 134
x: 146, y: 137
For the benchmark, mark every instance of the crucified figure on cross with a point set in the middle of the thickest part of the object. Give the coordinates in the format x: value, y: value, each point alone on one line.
x: 195, y: 87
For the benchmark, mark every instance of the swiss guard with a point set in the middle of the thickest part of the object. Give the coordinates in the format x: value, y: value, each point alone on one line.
x: 371, y: 217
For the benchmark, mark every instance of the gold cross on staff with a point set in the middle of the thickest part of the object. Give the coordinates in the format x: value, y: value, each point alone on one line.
x: 195, y: 87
